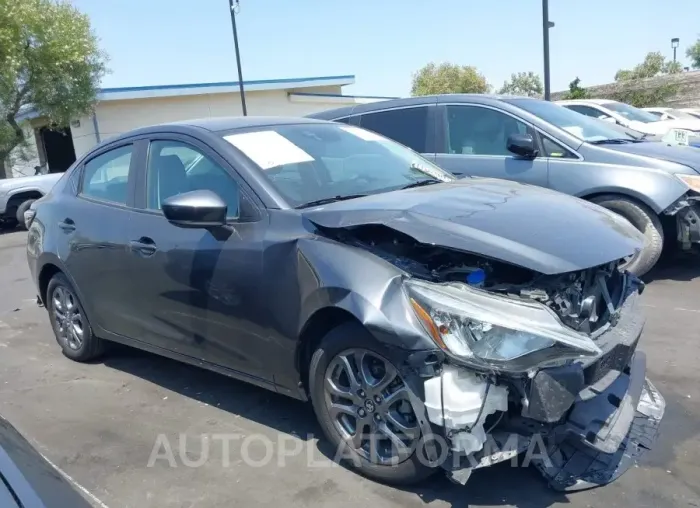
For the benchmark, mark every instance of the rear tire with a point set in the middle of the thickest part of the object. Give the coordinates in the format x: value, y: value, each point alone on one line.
x: 646, y: 221
x: 20, y: 212
x: 69, y: 321
x: 347, y: 339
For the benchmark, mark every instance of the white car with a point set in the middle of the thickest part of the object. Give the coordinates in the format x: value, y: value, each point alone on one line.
x: 629, y: 116
x: 675, y: 114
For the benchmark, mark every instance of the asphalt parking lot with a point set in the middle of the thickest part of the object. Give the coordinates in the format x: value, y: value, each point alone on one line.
x: 130, y: 428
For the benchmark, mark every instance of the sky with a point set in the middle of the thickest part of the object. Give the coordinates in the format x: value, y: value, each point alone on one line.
x: 382, y: 42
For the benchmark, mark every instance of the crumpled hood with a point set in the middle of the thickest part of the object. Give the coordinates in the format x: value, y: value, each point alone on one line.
x: 532, y: 227
x: 686, y: 155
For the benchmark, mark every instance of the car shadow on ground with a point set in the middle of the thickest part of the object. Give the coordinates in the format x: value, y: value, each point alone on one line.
x: 677, y: 266
x: 495, y: 486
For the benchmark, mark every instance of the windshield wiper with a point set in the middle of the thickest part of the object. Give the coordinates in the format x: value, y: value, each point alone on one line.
x: 333, y: 199
x: 615, y: 141
x: 421, y: 183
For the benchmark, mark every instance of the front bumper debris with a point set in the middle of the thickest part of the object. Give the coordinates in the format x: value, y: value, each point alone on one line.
x: 605, y: 435
x: 688, y: 222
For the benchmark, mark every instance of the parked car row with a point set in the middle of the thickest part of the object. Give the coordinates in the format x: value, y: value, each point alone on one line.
x: 434, y: 322
x: 656, y: 187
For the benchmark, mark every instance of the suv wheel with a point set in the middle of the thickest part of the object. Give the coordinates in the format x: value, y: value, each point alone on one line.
x: 646, y: 221
x: 362, y: 404
x: 69, y: 322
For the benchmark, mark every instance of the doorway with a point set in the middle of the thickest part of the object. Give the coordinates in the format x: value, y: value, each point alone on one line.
x: 59, y: 149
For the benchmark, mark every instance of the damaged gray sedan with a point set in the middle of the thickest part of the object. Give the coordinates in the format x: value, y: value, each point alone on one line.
x: 435, y: 324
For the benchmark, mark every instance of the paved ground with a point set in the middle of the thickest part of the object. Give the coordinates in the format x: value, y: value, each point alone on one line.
x: 100, y: 423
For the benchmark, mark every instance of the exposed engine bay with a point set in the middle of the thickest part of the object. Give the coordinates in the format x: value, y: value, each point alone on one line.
x: 591, y: 417
x: 585, y: 300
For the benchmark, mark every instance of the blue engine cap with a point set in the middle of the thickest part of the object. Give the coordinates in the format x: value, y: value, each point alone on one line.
x: 476, y: 277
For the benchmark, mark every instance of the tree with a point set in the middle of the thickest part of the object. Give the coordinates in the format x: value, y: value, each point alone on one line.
x: 528, y: 84
x: 654, y: 64
x: 575, y: 90
x: 448, y: 78
x: 49, y: 61
x: 693, y: 52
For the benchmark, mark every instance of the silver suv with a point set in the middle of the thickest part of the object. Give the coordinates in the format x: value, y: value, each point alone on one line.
x: 654, y: 186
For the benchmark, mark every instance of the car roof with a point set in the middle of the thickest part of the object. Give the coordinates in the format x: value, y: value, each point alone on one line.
x: 413, y: 101
x: 600, y: 102
x: 218, y: 124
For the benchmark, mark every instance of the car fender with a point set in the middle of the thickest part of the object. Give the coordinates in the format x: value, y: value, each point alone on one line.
x: 363, y: 285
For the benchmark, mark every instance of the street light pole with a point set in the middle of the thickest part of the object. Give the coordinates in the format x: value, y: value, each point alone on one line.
x: 545, y: 43
x: 233, y: 4
x: 674, y: 44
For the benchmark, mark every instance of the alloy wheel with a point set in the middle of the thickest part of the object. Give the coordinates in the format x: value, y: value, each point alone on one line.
x: 369, y: 405
x: 70, y: 324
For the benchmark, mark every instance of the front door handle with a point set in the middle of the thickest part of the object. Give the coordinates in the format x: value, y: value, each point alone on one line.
x: 67, y: 225
x: 144, y: 246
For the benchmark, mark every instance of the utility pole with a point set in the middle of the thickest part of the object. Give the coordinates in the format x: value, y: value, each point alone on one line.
x: 233, y: 5
x: 546, y: 25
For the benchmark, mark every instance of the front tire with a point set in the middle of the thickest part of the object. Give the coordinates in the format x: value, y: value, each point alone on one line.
x: 647, y: 222
x: 361, y: 402
x: 69, y: 321
x: 23, y: 207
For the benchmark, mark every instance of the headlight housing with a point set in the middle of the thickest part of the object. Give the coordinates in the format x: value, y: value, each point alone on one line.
x: 491, y: 331
x: 692, y: 181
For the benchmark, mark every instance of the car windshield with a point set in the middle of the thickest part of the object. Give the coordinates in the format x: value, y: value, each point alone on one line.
x: 584, y: 127
x: 681, y: 115
x: 630, y: 112
x: 314, y: 163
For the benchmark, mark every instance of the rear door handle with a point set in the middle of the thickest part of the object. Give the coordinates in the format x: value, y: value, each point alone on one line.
x: 144, y: 246
x: 67, y: 225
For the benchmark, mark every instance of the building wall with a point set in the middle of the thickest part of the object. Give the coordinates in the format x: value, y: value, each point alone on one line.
x: 119, y: 116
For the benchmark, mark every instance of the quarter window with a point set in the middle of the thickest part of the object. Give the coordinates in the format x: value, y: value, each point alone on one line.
x: 473, y: 130
x: 555, y: 150
x: 175, y: 168
x: 106, y: 176
x: 408, y: 126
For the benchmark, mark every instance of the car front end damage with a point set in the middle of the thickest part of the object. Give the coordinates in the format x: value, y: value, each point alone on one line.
x: 544, y: 365
x: 686, y: 212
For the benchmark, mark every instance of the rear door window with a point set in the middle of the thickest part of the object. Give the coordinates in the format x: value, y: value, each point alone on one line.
x: 408, y: 126
x: 106, y: 177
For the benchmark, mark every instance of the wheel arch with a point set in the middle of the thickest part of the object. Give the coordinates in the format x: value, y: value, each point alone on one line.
x: 626, y: 194
x: 20, y: 197
x: 49, y: 266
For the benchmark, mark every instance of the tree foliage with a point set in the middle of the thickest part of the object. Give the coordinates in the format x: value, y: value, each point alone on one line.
x: 576, y: 91
x: 636, y: 93
x: 526, y: 84
x: 49, y: 61
x: 654, y: 64
x: 693, y: 52
x: 448, y: 78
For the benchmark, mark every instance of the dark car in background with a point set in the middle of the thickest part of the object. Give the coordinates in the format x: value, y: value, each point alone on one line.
x: 654, y: 186
x: 326, y: 262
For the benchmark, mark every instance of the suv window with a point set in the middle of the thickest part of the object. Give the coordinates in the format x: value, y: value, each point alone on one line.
x: 106, y: 176
x: 408, y: 126
x: 175, y: 168
x: 555, y: 150
x: 481, y: 131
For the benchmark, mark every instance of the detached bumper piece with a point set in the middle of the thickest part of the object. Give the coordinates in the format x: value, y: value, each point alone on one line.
x: 688, y: 221
x: 605, y: 434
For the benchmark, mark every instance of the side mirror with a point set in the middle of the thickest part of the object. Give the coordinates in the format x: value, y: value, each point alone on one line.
x: 195, y: 209
x: 523, y: 145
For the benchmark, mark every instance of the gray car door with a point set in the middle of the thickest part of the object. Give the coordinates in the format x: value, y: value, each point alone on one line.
x: 473, y: 143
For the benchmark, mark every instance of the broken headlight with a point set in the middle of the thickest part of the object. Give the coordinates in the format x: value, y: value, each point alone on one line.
x: 493, y: 331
